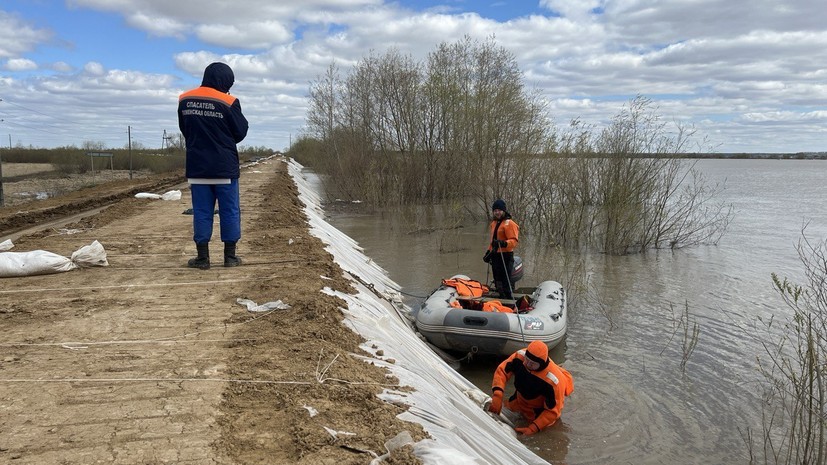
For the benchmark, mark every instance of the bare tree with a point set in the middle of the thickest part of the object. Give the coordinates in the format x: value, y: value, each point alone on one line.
x: 462, y: 126
x: 401, y: 131
x: 321, y: 115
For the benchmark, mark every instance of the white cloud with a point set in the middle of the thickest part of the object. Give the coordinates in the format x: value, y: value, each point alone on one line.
x: 731, y: 67
x: 128, y: 81
x: 94, y: 68
x: 18, y: 37
x: 157, y: 26
x: 62, y: 66
x: 217, y: 13
x: 642, y: 22
x: 786, y: 117
x: 255, y: 35
x: 20, y: 64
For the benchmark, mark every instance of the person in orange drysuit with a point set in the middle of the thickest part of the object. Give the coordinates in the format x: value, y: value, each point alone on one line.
x: 505, y: 234
x: 541, y: 387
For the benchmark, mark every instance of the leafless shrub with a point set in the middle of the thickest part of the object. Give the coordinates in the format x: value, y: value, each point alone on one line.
x: 794, y: 428
x: 462, y: 127
x: 622, y: 189
x: 691, y: 333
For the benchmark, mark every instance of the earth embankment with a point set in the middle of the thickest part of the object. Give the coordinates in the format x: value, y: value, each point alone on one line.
x: 147, y: 361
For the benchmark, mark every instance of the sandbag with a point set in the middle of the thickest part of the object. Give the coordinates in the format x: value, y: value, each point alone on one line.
x: 171, y: 195
x: 37, y: 262
x: 90, y: 255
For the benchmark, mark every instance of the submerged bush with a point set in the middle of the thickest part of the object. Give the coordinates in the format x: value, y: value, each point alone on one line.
x: 621, y: 189
x: 795, y: 369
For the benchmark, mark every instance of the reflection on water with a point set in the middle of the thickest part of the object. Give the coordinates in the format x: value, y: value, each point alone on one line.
x: 633, y: 403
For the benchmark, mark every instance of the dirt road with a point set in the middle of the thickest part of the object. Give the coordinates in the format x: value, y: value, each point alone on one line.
x: 147, y: 361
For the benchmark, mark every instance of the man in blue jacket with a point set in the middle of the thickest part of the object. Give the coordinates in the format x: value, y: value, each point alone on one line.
x: 212, y: 124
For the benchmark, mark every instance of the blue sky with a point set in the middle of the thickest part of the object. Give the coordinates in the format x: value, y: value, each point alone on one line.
x: 750, y: 76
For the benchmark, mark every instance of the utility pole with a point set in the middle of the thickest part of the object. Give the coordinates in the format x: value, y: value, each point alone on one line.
x: 167, y: 141
x: 2, y: 199
x: 129, y: 131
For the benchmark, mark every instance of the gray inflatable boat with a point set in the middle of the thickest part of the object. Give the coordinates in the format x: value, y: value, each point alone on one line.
x: 468, y: 330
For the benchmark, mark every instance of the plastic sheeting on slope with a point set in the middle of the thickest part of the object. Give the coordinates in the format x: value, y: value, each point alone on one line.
x: 447, y: 405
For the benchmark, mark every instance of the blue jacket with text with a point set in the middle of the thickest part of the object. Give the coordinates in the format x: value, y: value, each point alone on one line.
x: 212, y: 124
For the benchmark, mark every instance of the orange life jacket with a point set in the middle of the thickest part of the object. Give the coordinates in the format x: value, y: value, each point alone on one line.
x: 496, y: 306
x: 466, y: 287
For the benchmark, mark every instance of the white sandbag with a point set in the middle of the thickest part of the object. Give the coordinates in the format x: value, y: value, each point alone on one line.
x: 90, y: 255
x: 6, y: 245
x: 13, y: 264
x: 36, y: 262
x: 147, y: 195
x: 171, y: 195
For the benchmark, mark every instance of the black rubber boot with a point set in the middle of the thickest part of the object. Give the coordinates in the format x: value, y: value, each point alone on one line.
x: 202, y: 261
x: 230, y: 258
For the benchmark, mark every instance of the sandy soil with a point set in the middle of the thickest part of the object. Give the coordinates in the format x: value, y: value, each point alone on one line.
x: 147, y: 361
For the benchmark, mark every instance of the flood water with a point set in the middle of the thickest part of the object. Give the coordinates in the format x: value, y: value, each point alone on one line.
x: 633, y: 402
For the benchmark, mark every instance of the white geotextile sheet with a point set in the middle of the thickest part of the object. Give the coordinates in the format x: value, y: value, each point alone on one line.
x: 36, y: 262
x: 447, y: 405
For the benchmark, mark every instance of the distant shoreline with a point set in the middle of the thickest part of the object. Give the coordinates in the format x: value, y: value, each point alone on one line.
x: 731, y: 155
x: 769, y: 156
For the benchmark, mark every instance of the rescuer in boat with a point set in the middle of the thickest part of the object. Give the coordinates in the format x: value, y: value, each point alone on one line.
x: 504, y: 237
x: 541, y: 387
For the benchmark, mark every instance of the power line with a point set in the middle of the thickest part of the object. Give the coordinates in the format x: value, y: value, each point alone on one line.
x: 87, y: 133
x: 2, y: 100
x: 34, y: 129
x: 29, y: 109
x: 35, y: 111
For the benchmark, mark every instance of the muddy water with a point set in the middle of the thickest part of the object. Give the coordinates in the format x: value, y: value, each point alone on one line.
x: 633, y: 401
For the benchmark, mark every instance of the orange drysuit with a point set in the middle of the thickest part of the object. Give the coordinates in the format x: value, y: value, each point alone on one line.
x: 507, y: 231
x: 505, y: 234
x: 540, y: 393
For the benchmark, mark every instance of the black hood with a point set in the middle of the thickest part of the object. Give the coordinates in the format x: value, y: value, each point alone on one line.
x: 219, y: 76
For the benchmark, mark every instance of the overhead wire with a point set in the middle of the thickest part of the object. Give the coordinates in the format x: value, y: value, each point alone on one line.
x: 86, y: 131
x: 26, y: 108
x: 30, y: 127
x: 3, y: 100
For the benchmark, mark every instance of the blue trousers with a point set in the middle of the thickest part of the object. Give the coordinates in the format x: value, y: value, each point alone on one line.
x: 204, y: 197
